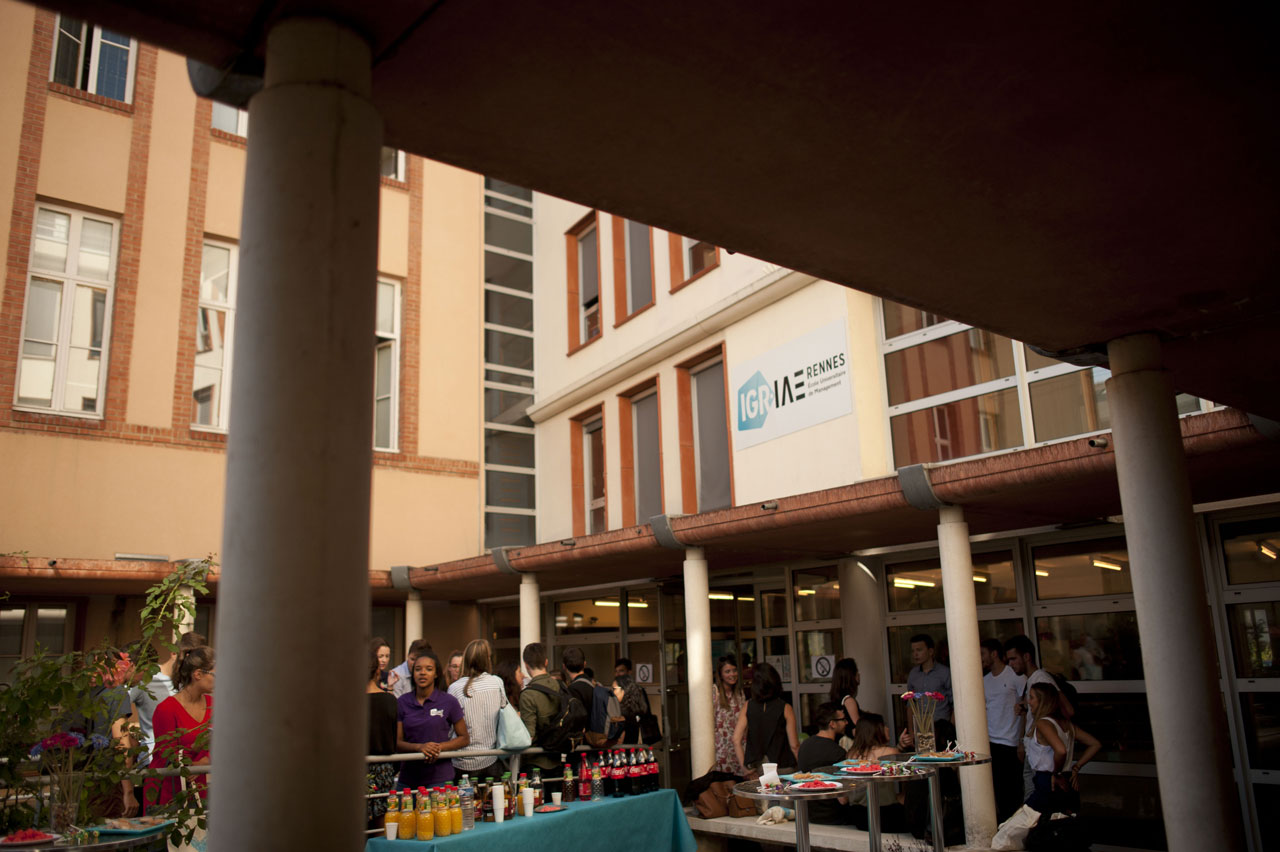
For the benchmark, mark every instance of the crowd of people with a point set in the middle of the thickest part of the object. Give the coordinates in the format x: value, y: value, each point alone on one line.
x: 1029, y: 716
x: 421, y: 706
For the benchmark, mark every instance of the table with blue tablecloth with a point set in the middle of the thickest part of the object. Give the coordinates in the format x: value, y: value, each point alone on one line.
x: 644, y: 823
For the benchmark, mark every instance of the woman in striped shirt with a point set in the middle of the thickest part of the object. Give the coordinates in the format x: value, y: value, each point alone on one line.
x: 481, y: 695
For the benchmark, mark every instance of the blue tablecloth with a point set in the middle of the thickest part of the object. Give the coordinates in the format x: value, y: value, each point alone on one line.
x: 654, y: 821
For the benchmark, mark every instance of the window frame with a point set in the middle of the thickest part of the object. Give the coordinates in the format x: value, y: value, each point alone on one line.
x: 401, y: 165
x: 392, y: 340
x: 628, y: 479
x: 579, y: 470
x: 577, y: 317
x: 228, y: 345
x: 27, y: 643
x: 678, y: 248
x: 94, y: 39
x: 623, y: 308
x: 242, y: 120
x: 70, y: 279
x: 690, y: 456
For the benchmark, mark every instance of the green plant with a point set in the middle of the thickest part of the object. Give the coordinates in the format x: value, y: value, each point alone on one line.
x: 70, y: 693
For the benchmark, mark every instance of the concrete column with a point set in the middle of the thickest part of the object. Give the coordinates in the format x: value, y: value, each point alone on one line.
x: 969, y: 703
x: 412, y: 620
x: 862, y: 623
x: 296, y: 539
x: 530, y: 613
x: 697, y: 617
x: 1183, y: 696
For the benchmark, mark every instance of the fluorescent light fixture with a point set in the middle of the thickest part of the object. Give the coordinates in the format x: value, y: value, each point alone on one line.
x: 720, y: 596
x: 1042, y: 573
x: 606, y: 603
x: 978, y: 579
x: 806, y: 592
x: 1110, y: 566
x: 746, y: 599
x: 637, y: 605
x: 900, y: 585
x: 866, y: 570
x: 835, y: 586
x: 906, y: 581
x: 1266, y: 551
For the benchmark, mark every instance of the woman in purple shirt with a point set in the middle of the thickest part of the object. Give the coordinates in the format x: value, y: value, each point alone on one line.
x: 425, y: 719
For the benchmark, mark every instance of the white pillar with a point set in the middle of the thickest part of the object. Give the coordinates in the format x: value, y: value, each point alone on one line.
x: 862, y: 623
x: 296, y: 539
x: 412, y: 619
x: 969, y: 703
x: 1183, y: 696
x: 530, y: 614
x: 697, y: 616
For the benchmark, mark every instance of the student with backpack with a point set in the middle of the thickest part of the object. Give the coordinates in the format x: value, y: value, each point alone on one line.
x: 554, y: 716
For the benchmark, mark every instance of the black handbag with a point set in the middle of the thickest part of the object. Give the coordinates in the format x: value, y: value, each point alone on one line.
x: 650, y: 733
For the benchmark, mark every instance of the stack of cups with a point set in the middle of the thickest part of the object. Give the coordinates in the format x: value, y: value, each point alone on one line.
x: 499, y: 804
x: 526, y: 803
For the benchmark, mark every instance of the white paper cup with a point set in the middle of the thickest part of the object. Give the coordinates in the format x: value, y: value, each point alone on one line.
x: 392, y: 830
x: 498, y: 805
x: 768, y: 769
x: 555, y: 798
x: 526, y: 796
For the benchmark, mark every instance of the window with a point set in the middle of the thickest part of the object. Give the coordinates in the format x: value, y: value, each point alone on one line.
x: 593, y: 474
x: 646, y: 456
x: 63, y: 365
x: 704, y: 457
x: 386, y: 382
x: 690, y: 258
x: 393, y: 164
x: 584, y: 281
x: 24, y: 627
x: 93, y: 60
x: 632, y: 268
x: 215, y: 331
x: 230, y: 119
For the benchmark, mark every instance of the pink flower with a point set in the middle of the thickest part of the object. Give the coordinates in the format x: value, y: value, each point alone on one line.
x: 907, y: 696
x: 936, y: 696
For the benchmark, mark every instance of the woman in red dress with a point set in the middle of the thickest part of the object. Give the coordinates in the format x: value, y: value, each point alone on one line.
x: 179, y: 720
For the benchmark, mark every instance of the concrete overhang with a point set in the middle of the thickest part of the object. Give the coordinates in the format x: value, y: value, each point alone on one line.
x: 1062, y: 175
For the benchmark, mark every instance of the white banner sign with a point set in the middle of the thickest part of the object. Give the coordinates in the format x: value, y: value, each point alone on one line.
x: 782, y: 663
x: 800, y: 384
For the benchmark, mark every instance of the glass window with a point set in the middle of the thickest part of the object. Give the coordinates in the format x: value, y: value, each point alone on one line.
x: 948, y: 363
x: 599, y: 657
x: 698, y: 256
x: 508, y: 206
x: 597, y: 614
x: 392, y: 164
x: 967, y: 427
x: 1255, y: 637
x: 92, y: 59
x: 1096, y: 646
x: 51, y: 629
x: 1261, y: 712
x: 918, y: 584
x: 1082, y: 568
x: 901, y: 319
x: 506, y: 309
x: 593, y: 475
x: 504, y: 623
x: 1121, y: 723
x: 809, y: 702
x: 817, y: 652
x: 63, y: 362
x: 1036, y: 361
x: 506, y: 271
x: 817, y: 593
x: 512, y: 490
x: 495, y: 185
x: 589, y: 282
x: 711, y: 438
x: 900, y: 663
x: 508, y: 350
x: 386, y: 367
x: 382, y: 623
x: 502, y: 529
x: 508, y: 448
x: 645, y: 430
x: 507, y: 407
x: 646, y: 659
x: 229, y: 119
x: 11, y: 621
x: 1070, y: 405
x: 642, y: 611
x: 777, y: 653
x: 1250, y: 550
x: 509, y: 234
x: 508, y: 378
x: 1125, y: 809
x: 215, y: 317
x: 639, y: 252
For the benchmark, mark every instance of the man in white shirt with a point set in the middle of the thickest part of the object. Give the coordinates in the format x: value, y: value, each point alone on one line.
x: 1020, y: 654
x: 1003, y: 687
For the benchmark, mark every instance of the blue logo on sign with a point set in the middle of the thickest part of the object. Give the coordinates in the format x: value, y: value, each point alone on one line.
x: 755, y: 398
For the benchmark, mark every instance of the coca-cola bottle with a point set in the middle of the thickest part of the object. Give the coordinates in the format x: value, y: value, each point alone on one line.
x: 652, y: 766
x: 634, y: 787
x: 619, y: 775
x: 584, y: 780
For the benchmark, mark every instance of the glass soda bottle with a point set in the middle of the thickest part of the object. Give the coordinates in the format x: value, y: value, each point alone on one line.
x: 426, y: 826
x: 536, y: 784
x: 408, y: 817
x: 606, y: 773
x: 584, y: 779
x: 393, y: 811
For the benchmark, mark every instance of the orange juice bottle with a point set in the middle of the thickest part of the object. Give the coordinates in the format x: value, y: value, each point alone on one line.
x: 408, y: 817
x: 455, y: 811
x: 444, y: 826
x: 426, y: 824
x: 393, y: 811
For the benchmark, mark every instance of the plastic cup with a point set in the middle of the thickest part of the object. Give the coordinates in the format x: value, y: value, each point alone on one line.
x: 526, y: 796
x: 555, y: 798
x: 768, y: 768
x: 392, y: 830
x: 498, y: 804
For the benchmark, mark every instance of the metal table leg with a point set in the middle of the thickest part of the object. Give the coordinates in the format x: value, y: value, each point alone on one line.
x: 802, y: 825
x: 935, y: 805
x: 873, y: 816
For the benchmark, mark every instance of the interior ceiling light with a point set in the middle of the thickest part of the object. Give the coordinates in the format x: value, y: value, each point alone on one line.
x: 909, y: 582
x: 1042, y: 573
x: 978, y: 579
x: 835, y: 586
x: 746, y: 599
x: 806, y: 592
x: 900, y: 585
x: 604, y: 603
x: 1266, y: 551
x: 1110, y: 566
x: 720, y: 596
x: 637, y: 605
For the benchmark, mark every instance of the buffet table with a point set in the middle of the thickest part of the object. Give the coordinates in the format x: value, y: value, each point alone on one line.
x: 630, y: 824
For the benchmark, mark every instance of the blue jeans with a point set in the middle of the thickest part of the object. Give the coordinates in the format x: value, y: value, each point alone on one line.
x: 1042, y: 796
